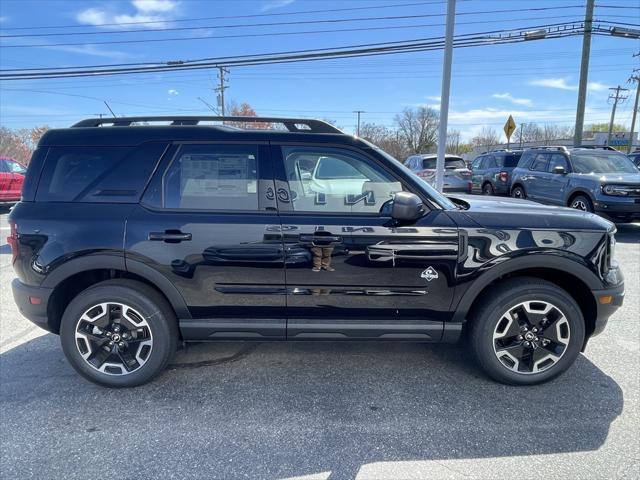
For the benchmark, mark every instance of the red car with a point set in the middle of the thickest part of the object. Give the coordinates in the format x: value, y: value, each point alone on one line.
x: 11, y: 180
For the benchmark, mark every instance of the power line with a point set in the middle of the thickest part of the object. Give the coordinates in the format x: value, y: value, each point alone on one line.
x: 277, y: 14
x: 381, y: 48
x: 289, y: 23
x: 276, y: 34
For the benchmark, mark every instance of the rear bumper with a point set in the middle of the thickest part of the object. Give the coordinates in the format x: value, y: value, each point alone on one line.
x: 23, y: 295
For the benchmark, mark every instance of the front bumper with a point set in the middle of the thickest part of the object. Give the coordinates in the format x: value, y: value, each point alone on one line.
x: 23, y: 295
x: 607, y: 301
x: 618, y: 207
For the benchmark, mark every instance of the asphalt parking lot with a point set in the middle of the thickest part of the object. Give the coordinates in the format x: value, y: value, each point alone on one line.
x: 321, y: 410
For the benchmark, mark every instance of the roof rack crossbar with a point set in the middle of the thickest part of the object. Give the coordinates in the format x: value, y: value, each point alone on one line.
x: 291, y: 124
x: 560, y: 148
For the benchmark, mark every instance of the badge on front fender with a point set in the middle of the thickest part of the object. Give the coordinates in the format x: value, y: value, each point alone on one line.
x: 429, y: 274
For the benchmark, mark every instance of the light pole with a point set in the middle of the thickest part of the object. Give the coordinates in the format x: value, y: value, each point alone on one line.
x: 444, y: 97
x: 358, y: 112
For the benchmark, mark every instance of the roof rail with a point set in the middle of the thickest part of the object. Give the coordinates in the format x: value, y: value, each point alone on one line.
x: 291, y: 124
x: 560, y: 148
x: 598, y: 147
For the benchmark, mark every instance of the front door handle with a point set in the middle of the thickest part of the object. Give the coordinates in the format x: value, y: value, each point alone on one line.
x: 169, y: 236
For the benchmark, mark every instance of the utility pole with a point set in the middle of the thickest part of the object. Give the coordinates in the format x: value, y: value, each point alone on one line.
x: 358, y: 128
x: 521, y: 130
x: 221, y: 88
x: 584, y: 73
x: 616, y: 98
x: 444, y: 97
x: 634, y: 78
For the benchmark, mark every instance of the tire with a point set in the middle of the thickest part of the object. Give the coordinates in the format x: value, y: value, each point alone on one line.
x: 119, y: 333
x: 487, y: 189
x: 498, y: 341
x: 582, y: 202
x: 518, y: 192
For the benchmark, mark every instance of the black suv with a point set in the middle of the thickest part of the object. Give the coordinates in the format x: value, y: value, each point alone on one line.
x: 491, y: 172
x: 130, y: 239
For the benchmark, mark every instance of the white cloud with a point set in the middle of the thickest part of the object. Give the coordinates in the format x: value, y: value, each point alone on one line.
x: 597, y: 86
x: 510, y: 98
x: 154, y: 12
x: 562, y: 84
x: 559, y: 83
x: 273, y: 4
x: 434, y: 98
x: 90, y: 50
x: 171, y: 91
x: 155, y: 5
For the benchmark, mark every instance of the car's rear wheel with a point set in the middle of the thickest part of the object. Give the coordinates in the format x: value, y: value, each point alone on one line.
x: 518, y: 192
x: 527, y: 331
x: 487, y: 189
x: 119, y: 333
x: 582, y: 202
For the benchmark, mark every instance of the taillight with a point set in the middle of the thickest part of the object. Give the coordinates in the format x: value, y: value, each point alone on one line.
x: 469, y: 187
x: 504, y: 176
x: 12, y: 240
x: 465, y: 174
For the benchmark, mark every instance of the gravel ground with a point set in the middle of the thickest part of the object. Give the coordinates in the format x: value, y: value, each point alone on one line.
x: 321, y: 410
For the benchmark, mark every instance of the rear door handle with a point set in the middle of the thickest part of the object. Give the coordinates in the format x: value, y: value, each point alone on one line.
x: 170, y: 237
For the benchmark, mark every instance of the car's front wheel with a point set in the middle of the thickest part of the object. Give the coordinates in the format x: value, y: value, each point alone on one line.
x: 518, y: 192
x: 582, y: 202
x: 119, y: 333
x: 527, y: 331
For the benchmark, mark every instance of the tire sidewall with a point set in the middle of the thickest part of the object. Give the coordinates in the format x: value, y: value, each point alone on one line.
x: 587, y: 201
x: 164, y: 340
x: 484, y: 328
x: 487, y: 189
x: 523, y: 196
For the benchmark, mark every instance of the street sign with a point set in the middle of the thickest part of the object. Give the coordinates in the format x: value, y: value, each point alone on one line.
x: 509, y: 127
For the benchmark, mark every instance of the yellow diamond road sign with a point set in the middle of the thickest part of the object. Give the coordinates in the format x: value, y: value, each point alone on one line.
x: 509, y: 127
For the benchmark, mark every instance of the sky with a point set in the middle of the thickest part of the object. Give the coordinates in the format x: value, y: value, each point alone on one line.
x: 534, y: 81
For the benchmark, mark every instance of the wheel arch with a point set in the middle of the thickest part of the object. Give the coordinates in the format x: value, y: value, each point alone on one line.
x: 579, y: 191
x: 569, y: 275
x: 68, y: 280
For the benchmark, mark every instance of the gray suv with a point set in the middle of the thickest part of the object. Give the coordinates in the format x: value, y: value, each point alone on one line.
x: 491, y: 172
x: 593, y: 180
x: 457, y: 177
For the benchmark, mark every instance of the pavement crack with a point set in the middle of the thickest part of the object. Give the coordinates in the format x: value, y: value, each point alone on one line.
x: 244, y: 351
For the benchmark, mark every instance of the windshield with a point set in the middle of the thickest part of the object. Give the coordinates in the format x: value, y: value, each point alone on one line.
x: 602, y: 163
x: 439, y: 198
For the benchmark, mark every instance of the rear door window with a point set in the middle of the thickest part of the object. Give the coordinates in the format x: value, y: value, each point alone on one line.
x: 212, y: 177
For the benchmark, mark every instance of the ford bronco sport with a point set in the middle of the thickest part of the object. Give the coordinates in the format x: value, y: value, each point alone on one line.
x: 136, y: 234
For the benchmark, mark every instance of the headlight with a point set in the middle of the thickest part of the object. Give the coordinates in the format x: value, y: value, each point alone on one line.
x: 619, y: 190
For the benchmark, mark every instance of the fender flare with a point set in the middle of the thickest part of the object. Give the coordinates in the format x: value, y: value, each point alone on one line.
x: 551, y: 262
x: 113, y: 261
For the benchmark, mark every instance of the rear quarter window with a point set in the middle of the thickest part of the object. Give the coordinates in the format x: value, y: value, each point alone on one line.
x: 98, y: 174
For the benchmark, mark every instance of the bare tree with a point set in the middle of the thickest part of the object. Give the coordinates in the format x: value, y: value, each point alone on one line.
x: 487, y: 138
x: 453, y: 142
x: 418, y: 128
x: 20, y: 144
x: 387, y: 139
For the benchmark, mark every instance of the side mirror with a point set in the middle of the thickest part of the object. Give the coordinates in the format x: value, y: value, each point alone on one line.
x: 559, y: 170
x: 406, y: 206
